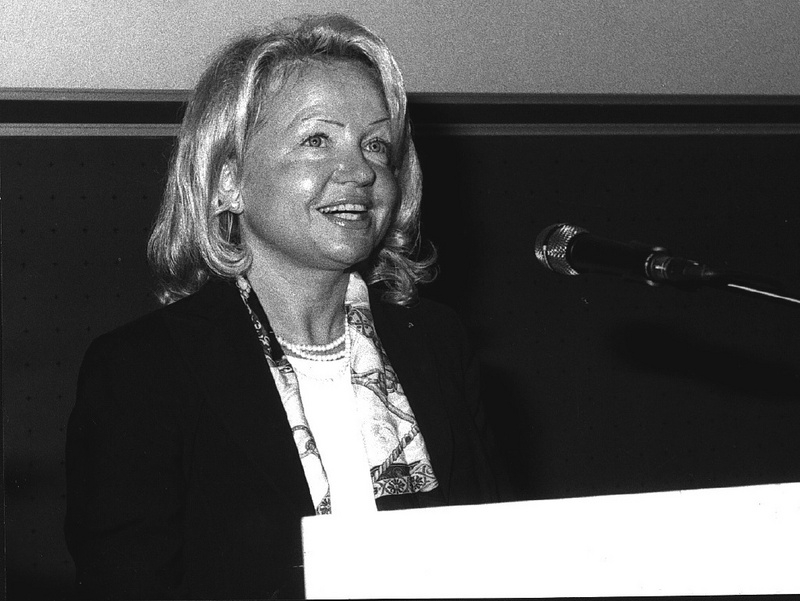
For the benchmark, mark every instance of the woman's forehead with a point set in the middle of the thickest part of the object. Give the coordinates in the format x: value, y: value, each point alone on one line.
x: 290, y: 73
x: 320, y: 85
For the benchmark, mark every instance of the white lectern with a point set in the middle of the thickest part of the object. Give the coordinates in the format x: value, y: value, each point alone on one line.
x: 723, y: 541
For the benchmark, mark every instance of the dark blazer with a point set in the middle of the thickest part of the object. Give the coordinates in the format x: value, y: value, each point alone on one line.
x: 183, y: 480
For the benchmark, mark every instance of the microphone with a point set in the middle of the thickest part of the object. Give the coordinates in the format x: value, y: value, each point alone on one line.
x: 571, y: 250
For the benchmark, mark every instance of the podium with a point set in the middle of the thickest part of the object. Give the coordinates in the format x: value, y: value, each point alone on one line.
x: 721, y: 541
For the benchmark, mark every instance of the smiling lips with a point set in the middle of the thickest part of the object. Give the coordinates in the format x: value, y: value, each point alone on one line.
x: 347, y: 211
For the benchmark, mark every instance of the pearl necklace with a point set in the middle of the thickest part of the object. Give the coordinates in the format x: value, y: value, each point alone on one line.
x: 314, y: 348
x: 318, y: 352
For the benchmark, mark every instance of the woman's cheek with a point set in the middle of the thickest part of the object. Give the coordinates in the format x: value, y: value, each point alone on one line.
x: 305, y: 185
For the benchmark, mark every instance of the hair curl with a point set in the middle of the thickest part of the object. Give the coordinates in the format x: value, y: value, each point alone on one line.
x: 196, y: 236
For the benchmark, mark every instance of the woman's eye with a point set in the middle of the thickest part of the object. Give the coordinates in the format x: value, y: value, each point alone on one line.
x: 316, y: 141
x: 378, y: 145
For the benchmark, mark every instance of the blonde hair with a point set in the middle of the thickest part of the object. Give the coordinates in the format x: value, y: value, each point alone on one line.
x: 196, y: 236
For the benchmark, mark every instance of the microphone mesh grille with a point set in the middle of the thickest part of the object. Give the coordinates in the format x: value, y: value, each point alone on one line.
x: 552, y: 244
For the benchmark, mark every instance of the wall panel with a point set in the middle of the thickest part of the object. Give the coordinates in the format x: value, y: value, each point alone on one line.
x: 76, y: 216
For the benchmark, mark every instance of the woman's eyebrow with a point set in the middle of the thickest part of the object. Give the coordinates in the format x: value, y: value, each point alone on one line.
x: 333, y: 122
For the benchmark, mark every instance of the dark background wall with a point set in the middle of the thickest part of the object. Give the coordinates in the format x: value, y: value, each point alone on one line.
x: 594, y: 385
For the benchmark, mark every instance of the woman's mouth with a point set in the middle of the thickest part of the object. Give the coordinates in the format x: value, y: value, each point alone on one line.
x: 346, y: 213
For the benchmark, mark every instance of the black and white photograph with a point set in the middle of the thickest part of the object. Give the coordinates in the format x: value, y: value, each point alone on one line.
x: 400, y: 300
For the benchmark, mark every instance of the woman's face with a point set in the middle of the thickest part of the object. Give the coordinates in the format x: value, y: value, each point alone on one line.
x: 317, y: 187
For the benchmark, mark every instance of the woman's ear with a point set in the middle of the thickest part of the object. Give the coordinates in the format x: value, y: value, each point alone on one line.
x: 229, y: 194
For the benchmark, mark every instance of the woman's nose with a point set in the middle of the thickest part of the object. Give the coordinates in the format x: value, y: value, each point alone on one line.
x: 354, y: 168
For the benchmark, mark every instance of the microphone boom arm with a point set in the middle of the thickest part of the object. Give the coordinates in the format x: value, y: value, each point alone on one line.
x: 571, y: 250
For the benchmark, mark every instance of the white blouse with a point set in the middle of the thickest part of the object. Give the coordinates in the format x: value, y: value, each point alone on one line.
x: 329, y: 403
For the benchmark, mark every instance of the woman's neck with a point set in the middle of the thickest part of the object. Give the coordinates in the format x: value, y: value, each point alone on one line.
x: 302, y: 307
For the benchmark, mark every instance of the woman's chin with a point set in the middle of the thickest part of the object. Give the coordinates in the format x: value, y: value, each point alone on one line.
x: 348, y: 258
x: 348, y: 249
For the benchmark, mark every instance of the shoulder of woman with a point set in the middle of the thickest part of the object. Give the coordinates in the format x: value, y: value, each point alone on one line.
x: 136, y: 366
x: 145, y: 343
x: 439, y: 324
x: 213, y: 299
x: 128, y: 357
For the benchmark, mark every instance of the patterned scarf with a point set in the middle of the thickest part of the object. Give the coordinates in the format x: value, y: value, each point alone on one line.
x: 395, y: 447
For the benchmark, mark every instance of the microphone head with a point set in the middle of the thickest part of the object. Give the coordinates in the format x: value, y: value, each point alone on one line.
x: 552, y: 244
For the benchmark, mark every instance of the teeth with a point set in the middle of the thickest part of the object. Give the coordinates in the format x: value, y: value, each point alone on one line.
x: 348, y: 216
x: 344, y: 208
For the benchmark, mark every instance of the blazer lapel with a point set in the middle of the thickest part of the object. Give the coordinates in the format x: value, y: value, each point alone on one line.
x: 402, y: 334
x: 216, y: 337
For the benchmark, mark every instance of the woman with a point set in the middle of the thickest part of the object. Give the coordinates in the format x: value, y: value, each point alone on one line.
x: 275, y: 384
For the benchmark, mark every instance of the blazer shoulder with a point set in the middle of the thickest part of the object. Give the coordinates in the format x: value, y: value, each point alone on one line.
x: 205, y: 303
x: 150, y: 337
x: 440, y: 325
x: 423, y: 307
x: 439, y: 313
